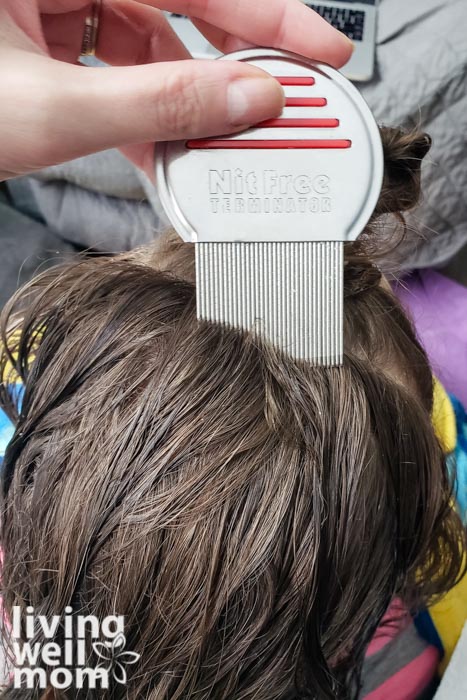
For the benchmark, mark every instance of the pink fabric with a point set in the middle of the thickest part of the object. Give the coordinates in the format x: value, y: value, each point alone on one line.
x: 410, y: 681
x: 395, y: 621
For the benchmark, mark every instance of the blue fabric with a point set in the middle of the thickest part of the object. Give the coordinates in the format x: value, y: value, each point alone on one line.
x: 427, y: 630
x: 7, y: 428
x: 6, y: 433
x: 459, y: 457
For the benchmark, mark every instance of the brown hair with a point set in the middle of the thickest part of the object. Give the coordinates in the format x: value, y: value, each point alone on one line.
x: 251, y: 516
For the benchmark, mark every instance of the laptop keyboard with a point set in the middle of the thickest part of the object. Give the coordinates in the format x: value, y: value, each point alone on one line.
x: 350, y: 22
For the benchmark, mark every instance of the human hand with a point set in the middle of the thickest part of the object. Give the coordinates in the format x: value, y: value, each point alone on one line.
x: 53, y: 109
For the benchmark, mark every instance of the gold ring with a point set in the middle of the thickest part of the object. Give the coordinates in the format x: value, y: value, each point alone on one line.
x: 91, y: 29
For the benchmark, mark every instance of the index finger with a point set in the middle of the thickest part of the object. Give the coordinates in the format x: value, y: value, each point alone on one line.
x: 282, y: 24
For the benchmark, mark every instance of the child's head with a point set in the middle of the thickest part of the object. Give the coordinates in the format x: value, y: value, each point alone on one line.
x: 251, y: 517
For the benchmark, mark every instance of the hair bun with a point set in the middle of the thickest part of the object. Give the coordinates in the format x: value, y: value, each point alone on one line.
x: 403, y: 155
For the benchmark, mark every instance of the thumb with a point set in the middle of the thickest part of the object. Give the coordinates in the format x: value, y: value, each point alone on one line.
x: 172, y: 100
x: 72, y: 111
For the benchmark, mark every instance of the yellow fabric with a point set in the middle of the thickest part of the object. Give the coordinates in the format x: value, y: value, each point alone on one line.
x: 450, y: 614
x: 9, y: 375
x: 444, y: 419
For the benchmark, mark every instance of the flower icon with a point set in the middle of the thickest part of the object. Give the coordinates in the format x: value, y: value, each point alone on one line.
x: 114, y: 653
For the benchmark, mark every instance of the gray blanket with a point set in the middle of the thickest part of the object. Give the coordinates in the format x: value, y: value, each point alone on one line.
x: 422, y: 80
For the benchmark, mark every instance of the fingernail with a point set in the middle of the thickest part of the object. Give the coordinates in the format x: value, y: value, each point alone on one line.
x: 352, y: 44
x: 250, y: 100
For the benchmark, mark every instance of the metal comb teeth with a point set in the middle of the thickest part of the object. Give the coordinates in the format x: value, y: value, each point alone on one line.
x: 289, y: 293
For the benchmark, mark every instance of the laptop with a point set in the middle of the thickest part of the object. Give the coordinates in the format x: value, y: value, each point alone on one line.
x: 356, y: 19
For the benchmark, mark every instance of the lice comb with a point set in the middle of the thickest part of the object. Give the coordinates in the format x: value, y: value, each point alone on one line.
x: 270, y: 209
